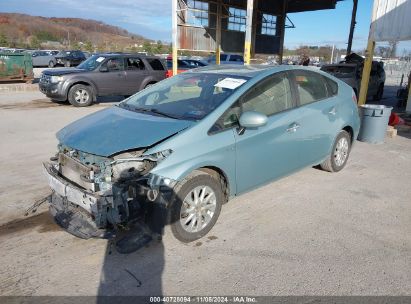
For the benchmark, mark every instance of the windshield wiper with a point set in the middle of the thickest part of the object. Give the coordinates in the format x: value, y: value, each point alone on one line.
x: 148, y: 110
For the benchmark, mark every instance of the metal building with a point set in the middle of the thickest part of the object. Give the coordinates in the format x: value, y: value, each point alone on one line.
x: 249, y: 26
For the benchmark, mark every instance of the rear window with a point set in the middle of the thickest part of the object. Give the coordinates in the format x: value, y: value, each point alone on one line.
x: 155, y: 64
x: 311, y: 86
x: 332, y: 87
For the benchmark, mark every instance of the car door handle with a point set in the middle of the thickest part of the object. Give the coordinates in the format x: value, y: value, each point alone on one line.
x: 293, y: 127
x: 333, y: 111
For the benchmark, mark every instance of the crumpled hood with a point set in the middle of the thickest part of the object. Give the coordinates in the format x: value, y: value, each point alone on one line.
x: 114, y: 130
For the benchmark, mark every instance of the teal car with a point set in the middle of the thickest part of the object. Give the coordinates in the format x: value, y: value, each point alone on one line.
x: 175, y: 152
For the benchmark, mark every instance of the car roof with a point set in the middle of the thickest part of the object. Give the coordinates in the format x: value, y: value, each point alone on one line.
x: 251, y: 70
x: 125, y: 54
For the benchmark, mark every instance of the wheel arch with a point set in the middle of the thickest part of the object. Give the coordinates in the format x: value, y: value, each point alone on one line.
x: 83, y: 82
x: 221, y: 177
x: 350, y: 131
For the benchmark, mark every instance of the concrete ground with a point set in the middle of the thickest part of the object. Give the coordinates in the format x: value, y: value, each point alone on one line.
x: 312, y: 233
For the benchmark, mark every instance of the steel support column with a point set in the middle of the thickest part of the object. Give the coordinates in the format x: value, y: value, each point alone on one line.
x: 248, y: 31
x: 218, y: 33
x: 174, y: 16
x: 365, y: 79
x: 282, y: 31
x: 352, y: 26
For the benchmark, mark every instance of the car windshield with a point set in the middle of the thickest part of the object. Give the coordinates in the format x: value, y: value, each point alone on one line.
x: 91, y: 63
x: 188, y: 96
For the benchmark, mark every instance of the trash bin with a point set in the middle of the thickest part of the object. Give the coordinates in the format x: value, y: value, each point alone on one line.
x: 374, y: 122
x: 15, y: 66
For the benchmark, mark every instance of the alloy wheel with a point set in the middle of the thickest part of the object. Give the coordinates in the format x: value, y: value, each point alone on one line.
x: 198, y: 209
x: 341, y: 151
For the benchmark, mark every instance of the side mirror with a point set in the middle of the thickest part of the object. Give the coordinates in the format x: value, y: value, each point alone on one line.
x: 252, y: 119
x: 104, y: 69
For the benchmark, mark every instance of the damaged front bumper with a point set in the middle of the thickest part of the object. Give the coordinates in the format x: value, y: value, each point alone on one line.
x: 78, y: 211
x: 87, y: 209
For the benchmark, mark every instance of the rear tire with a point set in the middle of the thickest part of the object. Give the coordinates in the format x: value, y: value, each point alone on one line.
x: 195, y: 206
x: 339, y: 153
x: 80, y: 95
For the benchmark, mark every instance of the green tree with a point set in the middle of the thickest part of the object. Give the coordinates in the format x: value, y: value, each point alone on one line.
x: 147, y: 47
x: 3, y: 40
x: 76, y: 46
x: 159, y: 47
x: 88, y: 46
x: 35, y: 43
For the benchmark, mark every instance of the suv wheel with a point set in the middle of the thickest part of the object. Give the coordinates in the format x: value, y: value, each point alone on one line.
x: 80, y: 95
x: 51, y: 64
x: 339, y: 154
x: 195, y: 206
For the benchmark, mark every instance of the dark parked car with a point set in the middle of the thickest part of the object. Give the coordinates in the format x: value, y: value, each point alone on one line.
x: 102, y: 75
x: 350, y: 71
x: 70, y: 58
x: 183, y: 65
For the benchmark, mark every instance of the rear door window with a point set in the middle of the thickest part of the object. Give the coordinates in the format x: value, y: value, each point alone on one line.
x: 134, y: 63
x: 311, y: 87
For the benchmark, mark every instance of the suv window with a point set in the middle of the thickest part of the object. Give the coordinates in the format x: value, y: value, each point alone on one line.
x: 115, y: 64
x: 270, y: 96
x: 134, y: 64
x: 155, y: 64
x: 311, y: 86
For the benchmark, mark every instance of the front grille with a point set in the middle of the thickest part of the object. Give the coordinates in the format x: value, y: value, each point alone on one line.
x: 45, y: 78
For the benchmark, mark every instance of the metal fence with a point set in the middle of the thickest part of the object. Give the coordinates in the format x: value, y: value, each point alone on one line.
x: 397, y: 72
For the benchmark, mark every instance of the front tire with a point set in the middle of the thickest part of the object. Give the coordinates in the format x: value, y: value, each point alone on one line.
x: 195, y: 206
x: 80, y: 95
x: 339, y: 153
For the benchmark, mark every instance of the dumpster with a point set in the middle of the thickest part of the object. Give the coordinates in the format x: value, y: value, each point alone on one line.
x: 15, y: 66
x: 374, y: 122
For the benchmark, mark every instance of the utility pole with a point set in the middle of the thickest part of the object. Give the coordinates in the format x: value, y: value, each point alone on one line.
x: 332, y: 54
x: 352, y: 26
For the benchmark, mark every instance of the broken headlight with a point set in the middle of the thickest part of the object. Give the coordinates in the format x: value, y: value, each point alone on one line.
x: 131, y: 165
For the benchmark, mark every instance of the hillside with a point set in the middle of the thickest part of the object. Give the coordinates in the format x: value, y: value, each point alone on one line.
x: 20, y: 30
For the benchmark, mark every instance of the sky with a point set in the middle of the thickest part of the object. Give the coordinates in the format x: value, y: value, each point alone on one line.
x: 152, y: 19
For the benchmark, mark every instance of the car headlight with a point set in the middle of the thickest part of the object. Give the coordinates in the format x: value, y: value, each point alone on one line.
x: 56, y: 79
x: 154, y: 157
